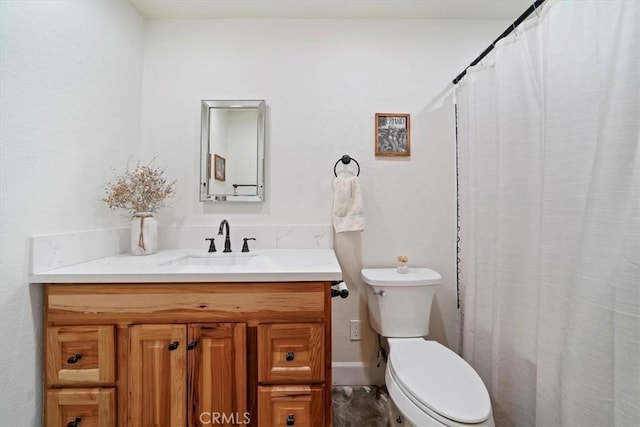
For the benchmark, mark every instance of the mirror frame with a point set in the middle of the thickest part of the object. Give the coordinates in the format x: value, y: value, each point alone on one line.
x: 207, y: 104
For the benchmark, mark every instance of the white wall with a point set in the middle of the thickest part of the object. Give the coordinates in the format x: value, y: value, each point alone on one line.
x: 219, y: 130
x: 242, y: 163
x: 323, y: 81
x: 70, y: 110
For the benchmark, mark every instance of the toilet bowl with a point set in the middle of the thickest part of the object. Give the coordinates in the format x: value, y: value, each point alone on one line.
x: 429, y: 384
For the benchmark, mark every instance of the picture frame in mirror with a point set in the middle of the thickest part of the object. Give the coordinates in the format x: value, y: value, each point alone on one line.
x: 219, y: 168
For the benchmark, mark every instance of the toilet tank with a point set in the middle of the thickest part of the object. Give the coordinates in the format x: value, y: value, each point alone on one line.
x: 400, y: 304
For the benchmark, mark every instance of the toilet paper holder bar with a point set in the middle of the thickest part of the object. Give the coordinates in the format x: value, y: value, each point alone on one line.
x: 339, y: 289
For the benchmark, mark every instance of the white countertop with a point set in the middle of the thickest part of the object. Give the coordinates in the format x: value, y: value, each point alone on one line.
x: 190, y: 266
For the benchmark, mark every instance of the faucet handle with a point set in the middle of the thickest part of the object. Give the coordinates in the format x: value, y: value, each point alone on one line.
x: 245, y: 245
x: 212, y: 245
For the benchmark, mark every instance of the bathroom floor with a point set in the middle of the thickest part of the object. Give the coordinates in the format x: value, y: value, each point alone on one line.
x: 360, y: 406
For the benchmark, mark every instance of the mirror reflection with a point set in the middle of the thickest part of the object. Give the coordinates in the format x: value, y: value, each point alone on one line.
x: 232, y: 159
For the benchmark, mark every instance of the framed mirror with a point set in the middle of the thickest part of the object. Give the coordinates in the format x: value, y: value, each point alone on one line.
x: 232, y: 151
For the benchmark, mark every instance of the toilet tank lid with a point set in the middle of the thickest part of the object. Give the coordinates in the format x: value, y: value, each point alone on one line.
x: 390, y: 277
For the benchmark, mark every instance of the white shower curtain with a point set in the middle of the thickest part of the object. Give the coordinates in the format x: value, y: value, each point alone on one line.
x: 549, y: 193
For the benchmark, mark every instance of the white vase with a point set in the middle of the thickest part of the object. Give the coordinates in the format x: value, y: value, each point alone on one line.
x: 144, y: 234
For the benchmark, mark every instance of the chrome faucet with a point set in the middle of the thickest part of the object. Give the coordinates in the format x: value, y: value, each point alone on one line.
x: 227, y: 241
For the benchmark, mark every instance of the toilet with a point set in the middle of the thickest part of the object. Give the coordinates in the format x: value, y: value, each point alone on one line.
x: 429, y: 384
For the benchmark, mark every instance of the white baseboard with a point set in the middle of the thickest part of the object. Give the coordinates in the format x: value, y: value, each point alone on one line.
x: 357, y: 373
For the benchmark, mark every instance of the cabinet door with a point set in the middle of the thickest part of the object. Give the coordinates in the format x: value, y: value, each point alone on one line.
x: 217, y: 374
x: 298, y: 406
x: 291, y: 353
x: 157, y: 375
x: 86, y: 407
x: 80, y: 355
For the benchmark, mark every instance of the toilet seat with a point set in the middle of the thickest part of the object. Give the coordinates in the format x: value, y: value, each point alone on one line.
x: 438, y: 381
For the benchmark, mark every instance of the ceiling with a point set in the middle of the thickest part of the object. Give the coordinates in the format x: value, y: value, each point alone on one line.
x: 331, y: 9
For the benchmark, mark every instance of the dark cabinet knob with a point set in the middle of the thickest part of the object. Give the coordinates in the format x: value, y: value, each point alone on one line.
x: 291, y: 420
x: 74, y: 423
x: 173, y: 345
x: 192, y: 345
x: 290, y: 356
x: 74, y: 359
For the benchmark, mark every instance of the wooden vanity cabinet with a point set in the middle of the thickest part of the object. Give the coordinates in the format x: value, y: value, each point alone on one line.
x: 199, y: 354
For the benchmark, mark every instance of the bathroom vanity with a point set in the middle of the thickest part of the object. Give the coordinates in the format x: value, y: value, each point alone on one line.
x: 173, y: 339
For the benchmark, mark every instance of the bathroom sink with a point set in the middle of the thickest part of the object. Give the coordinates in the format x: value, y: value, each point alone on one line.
x: 219, y: 259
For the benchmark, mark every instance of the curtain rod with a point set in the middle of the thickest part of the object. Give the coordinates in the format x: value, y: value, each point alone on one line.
x: 504, y: 34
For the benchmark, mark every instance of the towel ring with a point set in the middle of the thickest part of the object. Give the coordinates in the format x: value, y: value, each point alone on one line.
x: 346, y: 159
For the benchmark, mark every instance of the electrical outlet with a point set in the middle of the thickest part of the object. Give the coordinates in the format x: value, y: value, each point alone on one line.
x: 356, y: 330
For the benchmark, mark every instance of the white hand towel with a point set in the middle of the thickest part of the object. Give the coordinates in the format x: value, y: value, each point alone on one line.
x: 348, y: 213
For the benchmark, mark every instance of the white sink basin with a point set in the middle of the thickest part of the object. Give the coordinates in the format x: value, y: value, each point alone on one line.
x: 219, y: 259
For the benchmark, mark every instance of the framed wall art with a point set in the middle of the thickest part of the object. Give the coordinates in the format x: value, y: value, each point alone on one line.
x: 393, y: 134
x: 219, y: 165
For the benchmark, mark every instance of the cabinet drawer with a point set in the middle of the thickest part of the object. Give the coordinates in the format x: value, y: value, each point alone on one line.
x: 80, y: 355
x: 291, y: 353
x: 91, y: 407
x: 298, y: 406
x: 100, y: 304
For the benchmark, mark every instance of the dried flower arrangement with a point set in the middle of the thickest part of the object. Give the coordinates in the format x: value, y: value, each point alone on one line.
x: 141, y: 190
x: 402, y: 266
